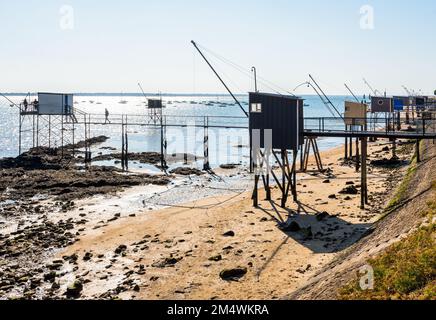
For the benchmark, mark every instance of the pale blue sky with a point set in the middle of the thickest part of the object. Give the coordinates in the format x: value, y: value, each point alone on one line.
x: 115, y: 44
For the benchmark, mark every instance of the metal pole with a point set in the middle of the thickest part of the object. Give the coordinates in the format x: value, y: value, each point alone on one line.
x: 253, y: 69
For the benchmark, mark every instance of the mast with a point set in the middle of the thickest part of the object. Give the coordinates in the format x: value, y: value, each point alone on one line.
x: 218, y: 76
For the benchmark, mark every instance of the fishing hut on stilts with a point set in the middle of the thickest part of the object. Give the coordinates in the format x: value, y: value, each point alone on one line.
x: 276, y: 126
x: 48, y: 121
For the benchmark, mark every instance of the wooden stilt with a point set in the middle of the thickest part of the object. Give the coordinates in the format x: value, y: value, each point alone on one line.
x: 163, y: 146
x: 206, y: 165
x: 255, y: 191
x: 126, y: 141
x: 364, y: 184
x: 284, y: 190
x: 418, y: 151
x: 346, y: 144
x: 357, y: 155
x: 294, y: 175
x: 311, y: 142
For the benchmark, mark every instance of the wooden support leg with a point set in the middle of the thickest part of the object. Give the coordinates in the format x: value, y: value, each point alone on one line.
x: 294, y: 177
x: 418, y: 151
x: 317, y: 155
x: 122, y: 146
x: 206, y: 165
x: 302, y: 158
x: 268, y: 189
x: 284, y: 191
x: 364, y: 184
x: 357, y: 155
x: 255, y: 191
x: 127, y: 149
x: 346, y: 149
x: 394, y: 148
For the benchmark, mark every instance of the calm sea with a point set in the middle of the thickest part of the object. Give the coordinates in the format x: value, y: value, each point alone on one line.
x: 225, y: 144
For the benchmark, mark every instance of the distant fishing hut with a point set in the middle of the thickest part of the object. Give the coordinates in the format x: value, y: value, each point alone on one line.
x: 276, y: 126
x: 50, y: 119
x: 355, y: 115
x: 155, y: 107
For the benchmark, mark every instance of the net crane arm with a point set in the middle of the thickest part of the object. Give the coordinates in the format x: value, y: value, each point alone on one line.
x: 218, y: 76
x: 325, y: 99
x: 374, y: 91
x: 352, y: 93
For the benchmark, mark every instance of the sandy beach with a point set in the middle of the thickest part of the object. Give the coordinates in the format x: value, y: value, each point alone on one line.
x: 181, y: 251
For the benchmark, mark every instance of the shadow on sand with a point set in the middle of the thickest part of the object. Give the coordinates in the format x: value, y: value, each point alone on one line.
x: 318, y: 231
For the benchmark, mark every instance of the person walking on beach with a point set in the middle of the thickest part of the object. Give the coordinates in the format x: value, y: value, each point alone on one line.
x: 26, y: 104
x: 106, y: 113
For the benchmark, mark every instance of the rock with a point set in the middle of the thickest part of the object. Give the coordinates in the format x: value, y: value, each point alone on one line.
x: 233, y: 274
x: 326, y: 181
x: 167, y: 262
x: 264, y: 219
x: 332, y: 196
x: 87, y: 256
x: 136, y: 288
x: 122, y: 248
x: 216, y: 258
x: 229, y: 234
x: 74, y: 290
x: 349, y: 190
x: 349, y: 183
x: 186, y: 171
x: 50, y: 276
x: 228, y: 166
x: 291, y: 227
x: 55, y: 286
x: 322, y: 216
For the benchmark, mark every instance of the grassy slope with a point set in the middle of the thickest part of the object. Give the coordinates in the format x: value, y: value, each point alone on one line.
x: 407, y: 270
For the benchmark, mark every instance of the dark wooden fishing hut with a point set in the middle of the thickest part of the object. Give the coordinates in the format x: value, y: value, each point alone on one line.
x: 276, y: 125
x: 155, y: 107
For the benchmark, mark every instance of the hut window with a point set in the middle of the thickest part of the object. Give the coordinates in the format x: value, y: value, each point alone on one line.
x: 256, y: 107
